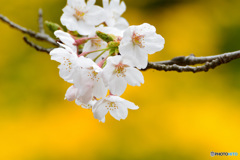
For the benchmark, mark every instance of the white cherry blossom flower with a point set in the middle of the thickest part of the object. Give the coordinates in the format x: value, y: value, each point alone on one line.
x: 114, y: 10
x: 98, y: 44
x: 88, y: 79
x: 117, y: 106
x: 67, y: 57
x: 81, y: 16
x: 138, y: 42
x: 66, y: 39
x: 118, y: 73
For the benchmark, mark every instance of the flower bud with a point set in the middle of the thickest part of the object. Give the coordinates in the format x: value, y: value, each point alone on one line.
x: 52, y: 26
x: 106, y: 37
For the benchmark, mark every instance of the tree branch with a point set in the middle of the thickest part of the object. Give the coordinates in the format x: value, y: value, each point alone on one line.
x: 39, y: 36
x: 37, y: 47
x: 192, y: 60
x: 180, y: 64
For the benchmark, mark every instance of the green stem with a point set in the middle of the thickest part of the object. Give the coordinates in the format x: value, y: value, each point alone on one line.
x: 99, y: 55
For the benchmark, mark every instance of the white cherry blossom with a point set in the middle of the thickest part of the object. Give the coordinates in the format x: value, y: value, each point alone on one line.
x: 66, y: 39
x: 118, y: 73
x: 88, y: 79
x: 114, y: 10
x: 138, y: 42
x: 117, y: 106
x: 81, y: 16
x: 67, y: 57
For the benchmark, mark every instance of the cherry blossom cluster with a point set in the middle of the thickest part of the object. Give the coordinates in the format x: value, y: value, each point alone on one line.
x: 100, y: 54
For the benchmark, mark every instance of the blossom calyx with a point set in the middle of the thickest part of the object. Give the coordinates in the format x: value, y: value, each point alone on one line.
x: 113, y: 44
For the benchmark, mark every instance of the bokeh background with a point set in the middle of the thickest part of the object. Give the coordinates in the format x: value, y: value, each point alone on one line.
x: 182, y: 116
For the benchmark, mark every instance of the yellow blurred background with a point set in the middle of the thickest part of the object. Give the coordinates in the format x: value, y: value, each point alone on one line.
x: 182, y: 116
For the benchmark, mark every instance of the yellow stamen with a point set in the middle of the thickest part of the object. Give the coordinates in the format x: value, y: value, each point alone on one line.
x: 78, y: 15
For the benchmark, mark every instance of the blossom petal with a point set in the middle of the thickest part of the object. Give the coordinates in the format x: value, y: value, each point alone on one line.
x: 95, y: 15
x: 85, y: 98
x: 128, y: 104
x: 76, y: 3
x: 67, y: 19
x: 114, y: 60
x: 57, y: 54
x: 154, y: 44
x: 107, y: 73
x: 102, y: 120
x: 145, y: 29
x: 99, y: 110
x: 99, y: 89
x: 133, y: 76
x: 142, y: 61
x: 114, y: 113
x: 71, y: 93
x: 127, y: 49
x: 117, y: 85
x: 105, y: 3
x: 67, y: 39
x: 83, y: 28
x: 90, y: 3
x: 121, y: 23
x: 120, y: 113
x: 122, y: 8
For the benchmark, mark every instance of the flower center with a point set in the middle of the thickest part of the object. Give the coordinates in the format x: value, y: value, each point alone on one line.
x: 138, y: 39
x: 78, y: 14
x: 96, y: 42
x: 93, y: 74
x: 111, y: 106
x: 120, y: 69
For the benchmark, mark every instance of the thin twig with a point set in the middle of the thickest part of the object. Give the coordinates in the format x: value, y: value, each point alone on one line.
x: 37, y: 47
x: 31, y: 33
x: 40, y: 21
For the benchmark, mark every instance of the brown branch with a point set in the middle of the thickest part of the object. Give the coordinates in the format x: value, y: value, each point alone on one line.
x: 192, y: 60
x: 39, y: 36
x: 211, y: 63
x: 37, y: 47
